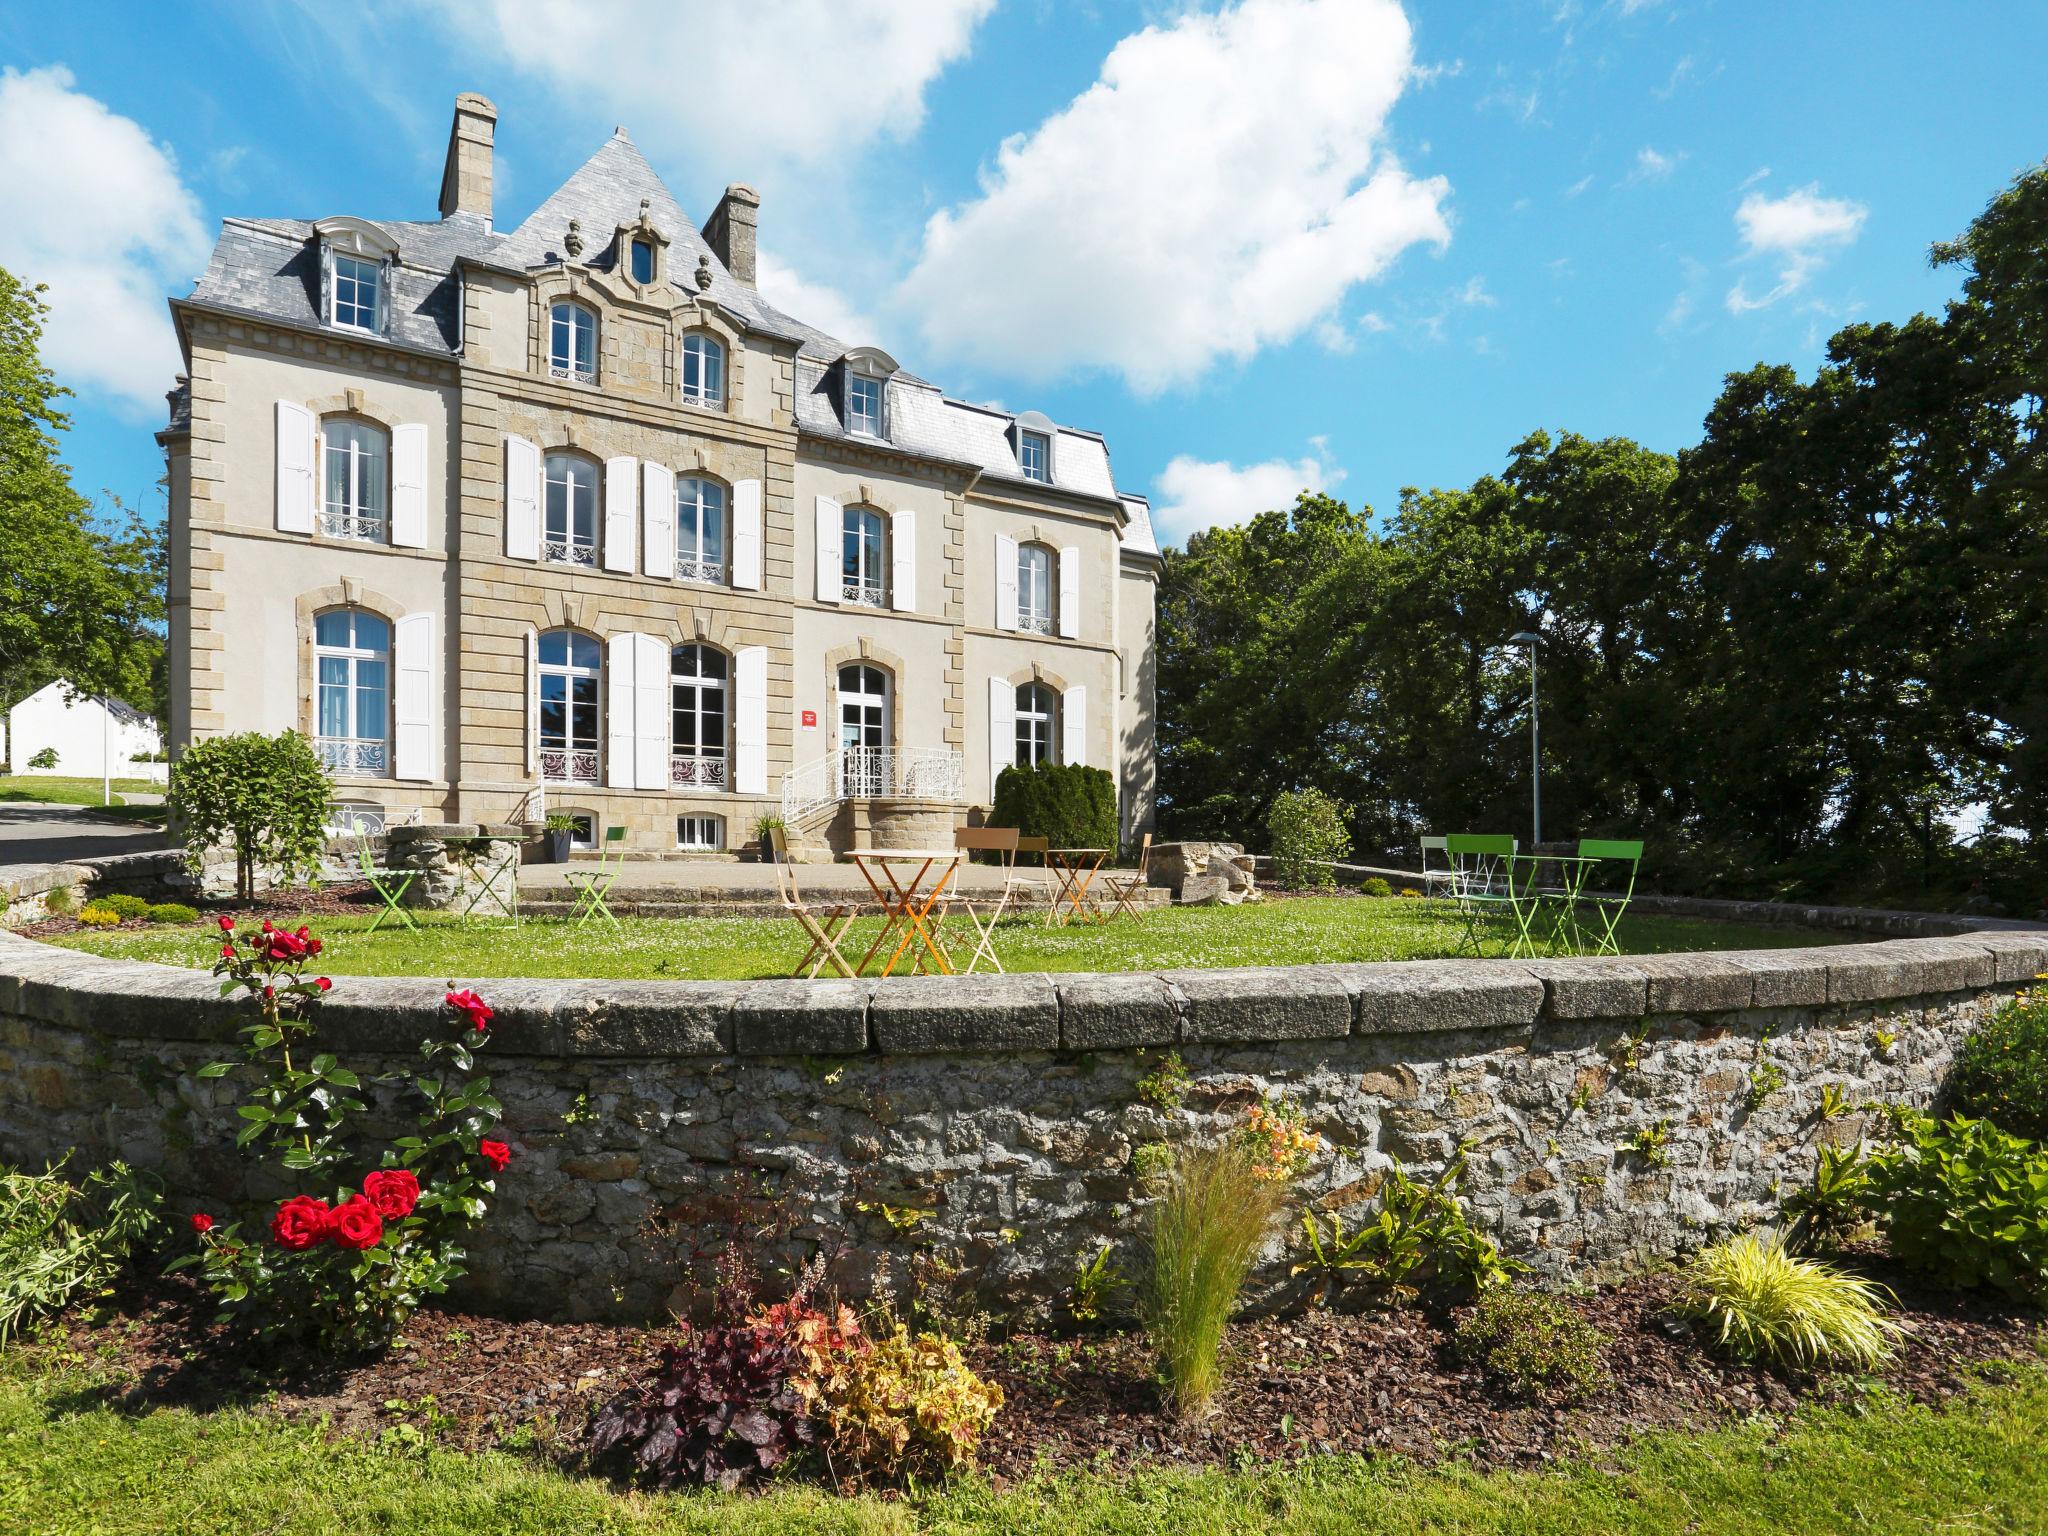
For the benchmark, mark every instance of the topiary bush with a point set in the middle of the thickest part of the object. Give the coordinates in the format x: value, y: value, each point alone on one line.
x: 125, y: 907
x: 1307, y: 830
x: 172, y: 912
x: 267, y: 797
x: 1069, y: 805
x: 2001, y: 1072
x: 1377, y: 886
x: 1534, y: 1345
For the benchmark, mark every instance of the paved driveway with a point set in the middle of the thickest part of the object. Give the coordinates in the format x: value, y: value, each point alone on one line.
x: 52, y: 834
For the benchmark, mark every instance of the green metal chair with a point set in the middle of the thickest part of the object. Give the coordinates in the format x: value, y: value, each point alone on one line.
x: 1607, y: 907
x: 593, y: 884
x: 390, y: 884
x: 1489, y: 878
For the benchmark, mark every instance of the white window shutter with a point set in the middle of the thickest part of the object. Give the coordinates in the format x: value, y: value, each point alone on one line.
x: 1006, y: 582
x: 621, y: 512
x: 746, y: 535
x: 903, y: 560
x: 620, y: 696
x: 522, y: 499
x: 1002, y: 730
x: 831, y: 551
x: 1074, y: 727
x: 414, y: 657
x: 750, y: 720
x: 296, y: 454
x: 1070, y: 592
x: 650, y: 712
x: 409, y: 485
x: 533, y: 701
x: 657, y: 519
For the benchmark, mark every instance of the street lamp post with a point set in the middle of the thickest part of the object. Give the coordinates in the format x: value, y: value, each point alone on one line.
x: 1529, y: 638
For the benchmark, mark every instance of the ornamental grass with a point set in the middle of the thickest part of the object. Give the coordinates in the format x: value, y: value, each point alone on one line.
x: 1767, y: 1305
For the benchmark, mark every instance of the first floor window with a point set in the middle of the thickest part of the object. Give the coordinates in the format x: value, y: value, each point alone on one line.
x: 1034, y: 454
x: 700, y: 834
x: 572, y: 343
x: 352, y: 672
x: 861, y: 550
x: 569, y: 674
x: 700, y: 530
x: 1034, y: 588
x: 352, y: 487
x: 570, y: 533
x: 1037, y: 716
x: 697, y: 729
x: 863, y: 405
x: 354, y: 285
x: 703, y: 369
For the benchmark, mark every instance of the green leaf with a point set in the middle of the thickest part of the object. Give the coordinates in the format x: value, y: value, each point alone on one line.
x: 323, y: 1064
x: 341, y: 1077
x: 215, y: 1069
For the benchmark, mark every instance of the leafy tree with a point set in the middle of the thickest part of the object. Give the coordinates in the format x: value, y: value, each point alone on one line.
x: 1308, y: 833
x: 265, y: 796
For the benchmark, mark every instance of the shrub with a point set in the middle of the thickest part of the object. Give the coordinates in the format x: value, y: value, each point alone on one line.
x: 1764, y: 1304
x: 1534, y: 1345
x: 43, y: 759
x: 1966, y: 1202
x: 59, y: 1239
x: 59, y: 900
x: 2001, y: 1072
x: 1206, y: 1232
x: 172, y: 912
x: 1419, y: 1238
x: 97, y: 914
x: 1070, y: 805
x: 1838, y: 1200
x: 1377, y: 886
x: 267, y: 797
x: 910, y: 1401
x: 126, y: 907
x: 1307, y: 831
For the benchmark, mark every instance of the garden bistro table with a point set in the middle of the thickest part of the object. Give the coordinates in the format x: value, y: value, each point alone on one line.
x: 907, y: 903
x: 499, y: 861
x: 1074, y: 869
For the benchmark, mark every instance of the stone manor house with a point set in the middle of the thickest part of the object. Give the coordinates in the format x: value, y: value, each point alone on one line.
x: 570, y: 517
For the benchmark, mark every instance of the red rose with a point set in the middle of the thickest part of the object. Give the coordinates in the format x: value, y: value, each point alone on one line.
x: 227, y: 951
x: 472, y: 1007
x: 227, y: 925
x: 323, y: 983
x: 356, y: 1225
x: 496, y: 1153
x: 393, y: 1191
x: 314, y: 946
x: 201, y: 1222
x: 300, y: 1223
x: 266, y: 925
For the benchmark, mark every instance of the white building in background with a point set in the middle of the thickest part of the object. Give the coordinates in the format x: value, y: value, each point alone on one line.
x: 79, y: 727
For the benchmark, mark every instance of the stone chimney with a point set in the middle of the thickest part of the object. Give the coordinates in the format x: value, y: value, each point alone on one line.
x: 466, y: 178
x: 732, y: 228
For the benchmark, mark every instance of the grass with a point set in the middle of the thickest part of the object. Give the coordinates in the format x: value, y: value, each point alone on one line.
x: 55, y: 789
x: 70, y: 1465
x: 1294, y: 932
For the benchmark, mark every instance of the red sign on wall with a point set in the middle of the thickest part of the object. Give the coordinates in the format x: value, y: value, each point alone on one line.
x: 810, y: 717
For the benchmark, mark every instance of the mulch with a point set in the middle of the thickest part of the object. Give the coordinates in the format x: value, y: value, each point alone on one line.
x: 1326, y: 1381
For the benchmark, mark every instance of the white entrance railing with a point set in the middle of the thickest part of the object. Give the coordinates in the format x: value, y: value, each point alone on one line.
x: 909, y: 773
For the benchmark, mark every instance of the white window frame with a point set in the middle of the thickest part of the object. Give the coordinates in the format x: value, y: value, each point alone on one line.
x: 355, y: 753
x: 353, y: 518
x: 573, y: 758
x: 357, y: 266
x: 702, y: 503
x: 859, y: 421
x: 1042, y: 470
x: 864, y: 562
x: 703, y: 698
x: 1036, y: 565
x: 700, y: 833
x: 581, y: 319
x: 568, y: 546
x: 703, y: 355
x: 1037, y: 730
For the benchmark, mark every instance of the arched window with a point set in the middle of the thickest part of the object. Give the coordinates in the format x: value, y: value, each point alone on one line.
x: 643, y: 261
x: 569, y: 674
x: 700, y: 530
x: 355, y: 464
x: 703, y: 369
x: 570, y: 533
x: 861, y: 565
x: 698, y: 734
x: 1034, y: 588
x: 1038, y: 712
x: 572, y: 343
x: 352, y: 687
x: 864, y: 729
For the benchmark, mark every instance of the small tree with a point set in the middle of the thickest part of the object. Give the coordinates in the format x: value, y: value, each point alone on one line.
x: 44, y: 760
x: 1308, y: 832
x: 266, y: 796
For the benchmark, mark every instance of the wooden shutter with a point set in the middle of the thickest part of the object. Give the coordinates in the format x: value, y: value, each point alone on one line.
x: 903, y: 560
x: 533, y: 701
x: 619, y: 698
x: 621, y: 512
x: 414, y: 699
x: 1074, y: 727
x: 657, y: 519
x: 522, y: 499
x: 409, y: 485
x: 750, y: 720
x: 746, y: 535
x: 831, y: 553
x: 650, y: 712
x: 1070, y: 593
x: 1002, y: 730
x: 296, y: 455
x: 1006, y: 582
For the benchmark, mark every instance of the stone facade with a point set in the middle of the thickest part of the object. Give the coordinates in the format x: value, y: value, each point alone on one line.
x: 459, y: 383
x: 999, y: 1120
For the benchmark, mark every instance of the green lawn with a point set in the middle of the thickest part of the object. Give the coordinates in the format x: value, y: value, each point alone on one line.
x: 1289, y: 932
x: 54, y: 789
x: 69, y: 1464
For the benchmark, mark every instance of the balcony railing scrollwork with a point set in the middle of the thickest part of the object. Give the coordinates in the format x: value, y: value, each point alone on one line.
x: 866, y: 593
x: 352, y: 757
x: 561, y: 766
x: 365, y: 527
x: 569, y: 552
x: 711, y: 572
x: 697, y: 772
x: 858, y: 773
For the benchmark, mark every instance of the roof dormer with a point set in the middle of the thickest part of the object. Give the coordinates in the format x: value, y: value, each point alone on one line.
x: 640, y: 253
x: 1032, y: 436
x: 356, y: 258
x: 864, y: 375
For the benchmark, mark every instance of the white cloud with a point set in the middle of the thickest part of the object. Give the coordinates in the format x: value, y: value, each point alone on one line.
x: 1474, y: 294
x: 96, y: 209
x: 1652, y: 166
x: 1797, y: 231
x: 736, y: 83
x: 816, y: 304
x: 1192, y: 494
x: 1172, y: 214
x: 1580, y: 185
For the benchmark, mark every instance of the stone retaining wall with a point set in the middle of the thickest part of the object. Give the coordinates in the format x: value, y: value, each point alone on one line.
x: 994, y: 1124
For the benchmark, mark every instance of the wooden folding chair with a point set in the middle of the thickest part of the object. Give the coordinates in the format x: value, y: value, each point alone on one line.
x: 983, y: 914
x: 825, y: 936
x: 1045, y: 884
x: 1123, y: 888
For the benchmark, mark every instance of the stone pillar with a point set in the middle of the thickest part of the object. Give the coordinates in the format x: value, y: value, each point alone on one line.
x: 453, y: 867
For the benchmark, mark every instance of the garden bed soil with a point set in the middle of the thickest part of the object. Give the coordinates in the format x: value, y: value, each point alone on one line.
x: 350, y: 898
x: 1328, y: 1381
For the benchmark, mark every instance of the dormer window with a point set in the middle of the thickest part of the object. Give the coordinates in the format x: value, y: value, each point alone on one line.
x: 358, y: 292
x: 355, y: 259
x: 703, y: 369
x: 1034, y: 455
x: 643, y: 261
x: 864, y: 375
x: 864, y: 405
x: 572, y: 343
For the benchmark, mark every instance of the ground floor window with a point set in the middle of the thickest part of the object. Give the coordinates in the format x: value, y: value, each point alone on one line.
x: 582, y: 828
x: 700, y: 834
x: 1037, y: 714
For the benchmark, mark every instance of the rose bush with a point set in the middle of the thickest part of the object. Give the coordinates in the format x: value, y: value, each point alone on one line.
x: 346, y: 1267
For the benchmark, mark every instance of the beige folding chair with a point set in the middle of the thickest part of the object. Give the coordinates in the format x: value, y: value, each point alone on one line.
x: 983, y: 913
x: 1124, y: 888
x: 824, y: 936
x: 1045, y: 884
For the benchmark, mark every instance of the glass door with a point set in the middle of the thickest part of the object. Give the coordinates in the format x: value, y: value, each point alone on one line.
x: 863, y: 729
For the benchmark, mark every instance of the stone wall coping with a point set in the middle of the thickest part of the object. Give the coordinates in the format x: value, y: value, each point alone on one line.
x: 1041, y: 1012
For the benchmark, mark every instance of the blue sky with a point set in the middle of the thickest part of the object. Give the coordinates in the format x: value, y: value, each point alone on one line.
x: 1346, y: 243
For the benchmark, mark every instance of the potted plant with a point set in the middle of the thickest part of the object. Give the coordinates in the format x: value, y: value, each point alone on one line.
x: 763, y: 828
x: 555, y: 838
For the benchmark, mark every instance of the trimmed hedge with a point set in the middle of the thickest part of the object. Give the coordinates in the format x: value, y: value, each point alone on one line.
x: 1069, y: 806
